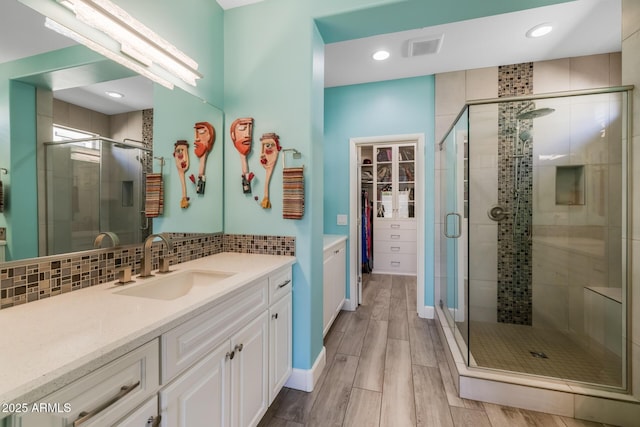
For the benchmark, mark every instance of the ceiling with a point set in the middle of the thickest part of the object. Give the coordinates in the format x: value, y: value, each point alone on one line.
x: 582, y: 27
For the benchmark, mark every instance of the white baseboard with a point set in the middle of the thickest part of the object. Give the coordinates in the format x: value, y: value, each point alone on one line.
x: 305, y: 379
x: 349, y: 305
x: 427, y: 312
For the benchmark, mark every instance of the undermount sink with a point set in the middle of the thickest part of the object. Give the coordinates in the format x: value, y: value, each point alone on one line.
x: 175, y: 285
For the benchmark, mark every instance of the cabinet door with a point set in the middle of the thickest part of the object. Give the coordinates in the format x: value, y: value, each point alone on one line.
x: 250, y: 372
x: 145, y: 416
x: 200, y: 396
x: 280, y: 345
x: 327, y: 289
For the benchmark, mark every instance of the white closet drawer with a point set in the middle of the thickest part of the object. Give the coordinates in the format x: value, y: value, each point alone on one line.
x: 394, y: 263
x: 106, y: 394
x: 389, y: 235
x: 391, y: 247
x: 185, y: 344
x: 279, y: 284
x: 399, y: 224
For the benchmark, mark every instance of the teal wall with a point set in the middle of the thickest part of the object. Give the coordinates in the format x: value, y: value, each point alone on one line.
x: 175, y: 114
x: 274, y: 73
x: 23, y: 188
x: 376, y: 109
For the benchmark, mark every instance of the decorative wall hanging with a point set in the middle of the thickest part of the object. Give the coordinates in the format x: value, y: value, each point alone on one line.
x: 204, y: 139
x: 292, y: 187
x: 268, y: 156
x: 181, y: 156
x: 241, y: 135
x: 154, y: 192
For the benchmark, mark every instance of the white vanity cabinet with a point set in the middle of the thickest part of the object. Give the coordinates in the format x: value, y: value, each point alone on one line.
x: 280, y: 331
x: 223, y: 367
x: 146, y: 415
x: 334, y: 282
x: 104, y: 396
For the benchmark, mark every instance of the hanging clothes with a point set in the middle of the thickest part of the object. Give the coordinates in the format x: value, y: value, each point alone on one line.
x: 367, y: 232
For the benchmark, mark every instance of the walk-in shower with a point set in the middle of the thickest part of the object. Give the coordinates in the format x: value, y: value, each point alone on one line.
x: 93, y: 184
x: 532, y: 246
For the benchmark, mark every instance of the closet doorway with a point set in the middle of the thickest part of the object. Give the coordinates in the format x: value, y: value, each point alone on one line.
x: 386, y: 233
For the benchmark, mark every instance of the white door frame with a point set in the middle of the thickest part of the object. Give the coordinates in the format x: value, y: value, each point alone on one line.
x: 354, y: 230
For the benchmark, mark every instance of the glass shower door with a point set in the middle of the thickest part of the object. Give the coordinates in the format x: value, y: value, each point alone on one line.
x: 453, y: 247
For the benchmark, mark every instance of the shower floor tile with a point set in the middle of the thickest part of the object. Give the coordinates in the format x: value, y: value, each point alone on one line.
x: 555, y: 354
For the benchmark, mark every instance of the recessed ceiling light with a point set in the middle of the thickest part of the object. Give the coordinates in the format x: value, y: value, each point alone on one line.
x: 540, y: 30
x: 114, y: 94
x: 381, y: 55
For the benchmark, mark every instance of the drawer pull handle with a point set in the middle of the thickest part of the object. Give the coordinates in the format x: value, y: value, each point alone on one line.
x: 154, y: 421
x: 230, y: 355
x: 395, y: 225
x: 274, y: 316
x: 395, y: 248
x: 395, y: 236
x: 239, y: 347
x: 86, y: 416
x: 395, y: 263
x: 285, y: 283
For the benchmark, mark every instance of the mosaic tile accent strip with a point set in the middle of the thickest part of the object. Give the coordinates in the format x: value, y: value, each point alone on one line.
x: 36, y: 279
x: 515, y: 156
x: 515, y: 79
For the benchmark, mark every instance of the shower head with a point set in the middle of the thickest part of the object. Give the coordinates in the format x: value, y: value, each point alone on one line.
x: 534, y: 114
x: 525, y: 135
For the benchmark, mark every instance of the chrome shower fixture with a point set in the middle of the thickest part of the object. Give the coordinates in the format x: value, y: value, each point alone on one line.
x: 534, y: 114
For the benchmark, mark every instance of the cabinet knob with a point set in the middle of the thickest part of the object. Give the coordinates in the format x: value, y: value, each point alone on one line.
x: 238, y: 347
x: 274, y: 316
x: 230, y: 355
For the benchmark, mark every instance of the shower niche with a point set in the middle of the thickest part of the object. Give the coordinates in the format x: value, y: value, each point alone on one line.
x: 570, y: 185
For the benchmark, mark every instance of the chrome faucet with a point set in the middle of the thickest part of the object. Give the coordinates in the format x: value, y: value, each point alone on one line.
x: 115, y: 241
x: 145, y: 262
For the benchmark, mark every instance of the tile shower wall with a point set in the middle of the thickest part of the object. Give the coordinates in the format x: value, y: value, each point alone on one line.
x: 515, y: 195
x: 34, y: 279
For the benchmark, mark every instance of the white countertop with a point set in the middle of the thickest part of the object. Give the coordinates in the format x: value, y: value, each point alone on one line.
x: 49, y: 343
x: 330, y: 240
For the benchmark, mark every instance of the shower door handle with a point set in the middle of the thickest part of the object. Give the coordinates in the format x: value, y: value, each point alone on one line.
x: 458, y: 232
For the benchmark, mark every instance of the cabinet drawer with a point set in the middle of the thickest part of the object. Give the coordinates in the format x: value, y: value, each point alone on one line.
x: 398, y: 263
x: 390, y: 247
x: 183, y: 345
x: 279, y: 284
x: 398, y: 224
x: 390, y: 235
x: 112, y: 391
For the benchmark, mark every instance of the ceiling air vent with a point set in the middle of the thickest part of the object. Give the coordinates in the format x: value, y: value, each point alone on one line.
x: 424, y: 45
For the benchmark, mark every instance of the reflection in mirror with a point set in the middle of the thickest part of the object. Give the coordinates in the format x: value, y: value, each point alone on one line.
x: 93, y: 184
x: 72, y: 97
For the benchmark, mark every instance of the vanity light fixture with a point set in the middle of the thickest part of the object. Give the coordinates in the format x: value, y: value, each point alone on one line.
x: 137, y: 41
x: 539, y: 30
x: 380, y: 55
x: 107, y: 53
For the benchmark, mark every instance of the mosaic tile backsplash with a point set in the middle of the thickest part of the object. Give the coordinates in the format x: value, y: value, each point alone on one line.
x: 36, y: 279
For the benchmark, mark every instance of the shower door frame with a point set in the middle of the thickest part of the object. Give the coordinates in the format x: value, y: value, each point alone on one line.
x: 626, y: 218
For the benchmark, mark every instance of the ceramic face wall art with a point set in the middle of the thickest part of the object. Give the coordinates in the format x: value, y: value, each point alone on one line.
x: 204, y: 138
x: 181, y: 156
x: 268, y: 156
x: 241, y: 135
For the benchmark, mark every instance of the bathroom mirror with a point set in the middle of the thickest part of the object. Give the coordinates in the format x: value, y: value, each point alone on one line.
x: 49, y: 79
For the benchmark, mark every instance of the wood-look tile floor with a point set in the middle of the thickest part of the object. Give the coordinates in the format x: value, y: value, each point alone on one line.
x: 386, y: 367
